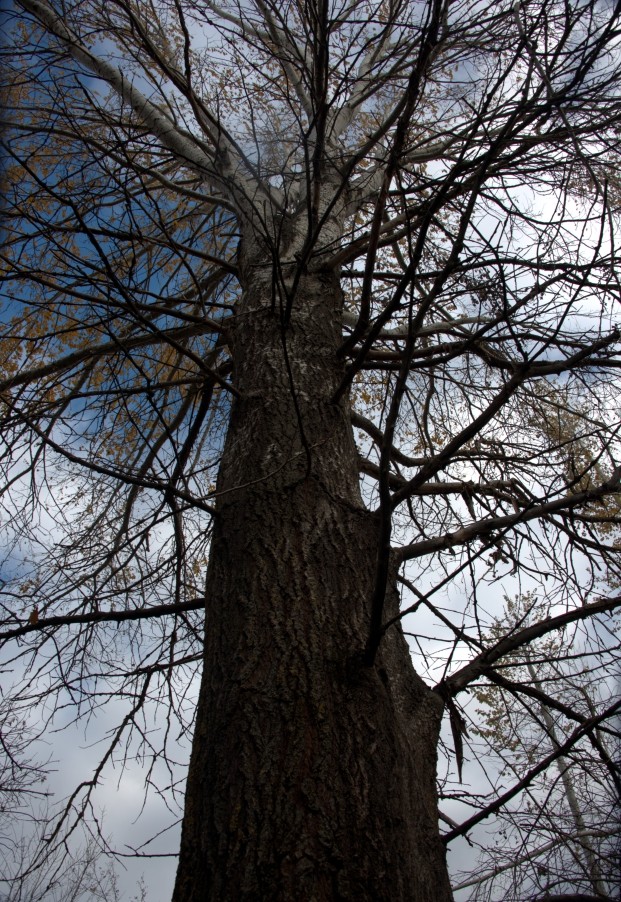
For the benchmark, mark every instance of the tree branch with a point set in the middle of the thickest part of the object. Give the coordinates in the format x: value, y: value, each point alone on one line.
x: 111, y: 616
x: 534, y: 772
x: 479, y: 666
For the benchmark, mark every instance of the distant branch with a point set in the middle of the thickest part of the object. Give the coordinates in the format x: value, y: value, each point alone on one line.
x: 561, y: 750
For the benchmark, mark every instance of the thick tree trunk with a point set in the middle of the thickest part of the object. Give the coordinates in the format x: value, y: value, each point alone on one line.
x: 312, y: 777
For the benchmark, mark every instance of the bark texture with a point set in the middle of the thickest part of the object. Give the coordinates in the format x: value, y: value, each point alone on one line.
x: 312, y: 777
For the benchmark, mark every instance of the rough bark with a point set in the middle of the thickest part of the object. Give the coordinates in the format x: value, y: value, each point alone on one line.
x: 312, y: 777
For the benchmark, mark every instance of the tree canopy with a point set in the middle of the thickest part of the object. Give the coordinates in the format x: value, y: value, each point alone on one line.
x: 454, y: 168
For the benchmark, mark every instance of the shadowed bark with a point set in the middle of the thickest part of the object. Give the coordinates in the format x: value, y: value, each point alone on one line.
x: 312, y: 775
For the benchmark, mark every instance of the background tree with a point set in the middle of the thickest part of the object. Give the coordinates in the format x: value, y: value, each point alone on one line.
x: 85, y: 875
x: 309, y: 323
x: 562, y: 833
x: 22, y: 777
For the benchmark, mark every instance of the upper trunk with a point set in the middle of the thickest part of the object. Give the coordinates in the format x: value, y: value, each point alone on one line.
x: 312, y: 777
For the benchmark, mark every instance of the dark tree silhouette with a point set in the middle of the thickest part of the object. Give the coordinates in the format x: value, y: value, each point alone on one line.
x: 310, y: 324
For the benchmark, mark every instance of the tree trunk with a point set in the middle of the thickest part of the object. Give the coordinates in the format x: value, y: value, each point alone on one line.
x: 312, y: 777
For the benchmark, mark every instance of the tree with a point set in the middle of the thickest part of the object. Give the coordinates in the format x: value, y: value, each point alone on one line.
x: 562, y: 833
x: 309, y: 324
x: 21, y: 777
x: 81, y: 877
